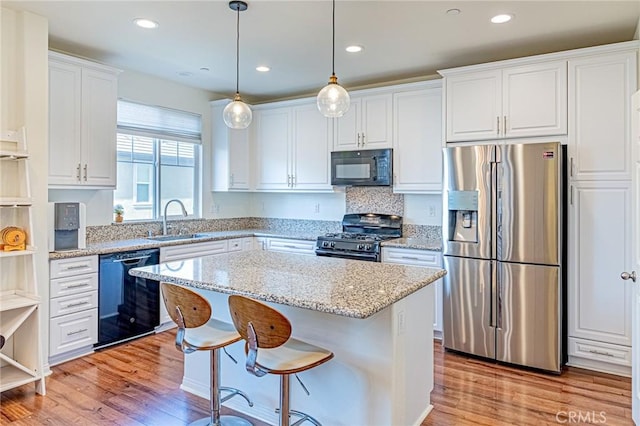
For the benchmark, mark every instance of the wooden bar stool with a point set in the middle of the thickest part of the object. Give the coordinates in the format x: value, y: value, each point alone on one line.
x: 271, y: 350
x: 197, y: 331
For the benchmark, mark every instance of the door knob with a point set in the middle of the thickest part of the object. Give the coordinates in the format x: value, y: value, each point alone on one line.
x: 626, y: 276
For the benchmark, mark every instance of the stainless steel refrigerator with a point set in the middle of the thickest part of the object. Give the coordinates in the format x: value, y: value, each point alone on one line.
x: 503, y: 250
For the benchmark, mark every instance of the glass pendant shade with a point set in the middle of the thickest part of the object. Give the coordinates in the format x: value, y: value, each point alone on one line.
x: 333, y: 100
x: 237, y: 114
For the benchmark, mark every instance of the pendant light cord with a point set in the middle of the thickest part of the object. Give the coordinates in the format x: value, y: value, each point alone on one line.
x: 238, y: 52
x: 333, y: 41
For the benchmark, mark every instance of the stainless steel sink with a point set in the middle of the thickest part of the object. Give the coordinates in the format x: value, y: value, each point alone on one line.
x: 176, y: 237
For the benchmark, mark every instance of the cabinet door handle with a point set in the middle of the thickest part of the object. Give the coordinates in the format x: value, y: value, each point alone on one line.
x: 73, y: 305
x: 504, y: 125
x: 593, y: 351
x: 77, y: 285
x: 571, y: 195
x: 363, y: 139
x: 411, y: 257
x: 78, y: 172
x: 289, y: 246
x: 82, y: 330
x: 571, y: 167
x: 358, y: 135
x: 288, y: 180
x: 231, y: 179
x: 293, y: 180
x: 497, y: 125
x: 76, y: 267
x: 85, y: 172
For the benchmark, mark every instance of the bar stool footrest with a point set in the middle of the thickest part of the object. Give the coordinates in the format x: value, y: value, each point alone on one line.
x: 224, y: 421
x: 234, y: 392
x: 303, y: 417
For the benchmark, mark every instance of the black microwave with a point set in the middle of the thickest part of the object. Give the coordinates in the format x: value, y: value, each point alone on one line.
x: 370, y: 167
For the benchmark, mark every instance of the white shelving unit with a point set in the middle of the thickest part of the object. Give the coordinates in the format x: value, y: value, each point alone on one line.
x: 21, y: 350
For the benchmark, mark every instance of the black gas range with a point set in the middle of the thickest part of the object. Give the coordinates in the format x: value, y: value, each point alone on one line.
x: 361, y: 236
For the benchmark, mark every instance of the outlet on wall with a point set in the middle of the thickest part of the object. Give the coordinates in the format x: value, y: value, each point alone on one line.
x: 432, y: 211
x: 317, y: 208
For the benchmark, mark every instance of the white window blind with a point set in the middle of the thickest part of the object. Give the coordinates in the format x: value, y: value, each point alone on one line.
x: 159, y: 122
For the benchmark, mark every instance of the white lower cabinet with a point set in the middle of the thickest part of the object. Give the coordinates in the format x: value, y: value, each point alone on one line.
x: 73, y: 307
x: 426, y: 258
x: 599, y: 302
x: 189, y: 251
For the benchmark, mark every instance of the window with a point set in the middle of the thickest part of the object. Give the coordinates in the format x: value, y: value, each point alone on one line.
x: 158, y: 160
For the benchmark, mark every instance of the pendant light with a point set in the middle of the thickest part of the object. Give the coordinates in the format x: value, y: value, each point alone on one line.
x: 333, y: 100
x: 237, y: 114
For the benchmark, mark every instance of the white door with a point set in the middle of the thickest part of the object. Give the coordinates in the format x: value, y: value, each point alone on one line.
x: 273, y: 131
x: 311, y: 149
x: 635, y: 232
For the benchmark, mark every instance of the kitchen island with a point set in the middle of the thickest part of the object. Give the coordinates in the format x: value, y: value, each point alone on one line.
x: 377, y: 319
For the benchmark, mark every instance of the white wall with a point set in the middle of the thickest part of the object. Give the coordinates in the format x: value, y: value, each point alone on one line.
x: 150, y: 90
x: 24, y: 93
x: 423, y: 209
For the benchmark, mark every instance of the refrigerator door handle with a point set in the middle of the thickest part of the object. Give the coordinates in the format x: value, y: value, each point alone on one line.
x: 492, y: 296
x: 498, y: 294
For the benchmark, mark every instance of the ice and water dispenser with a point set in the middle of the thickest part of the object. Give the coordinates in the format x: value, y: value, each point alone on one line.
x: 67, y: 229
x: 463, y: 216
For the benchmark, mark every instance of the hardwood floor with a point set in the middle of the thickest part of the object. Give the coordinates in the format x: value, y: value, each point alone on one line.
x: 468, y: 391
x: 137, y: 383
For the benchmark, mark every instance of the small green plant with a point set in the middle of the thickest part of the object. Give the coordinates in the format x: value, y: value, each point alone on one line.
x: 118, y: 209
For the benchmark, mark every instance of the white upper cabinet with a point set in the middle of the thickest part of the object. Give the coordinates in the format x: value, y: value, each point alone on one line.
x: 272, y: 138
x: 600, y: 89
x: 82, y: 123
x: 510, y: 102
x: 311, y: 169
x: 292, y: 144
x: 417, y: 140
x: 231, y: 153
x: 366, y: 125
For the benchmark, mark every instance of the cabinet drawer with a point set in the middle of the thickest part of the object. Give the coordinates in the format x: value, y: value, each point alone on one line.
x: 187, y: 251
x: 73, y: 266
x: 73, y: 285
x: 292, y: 246
x: 599, y: 351
x: 411, y: 257
x: 73, y: 331
x: 74, y: 303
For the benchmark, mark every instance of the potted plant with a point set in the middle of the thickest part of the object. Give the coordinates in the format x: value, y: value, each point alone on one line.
x: 118, y: 209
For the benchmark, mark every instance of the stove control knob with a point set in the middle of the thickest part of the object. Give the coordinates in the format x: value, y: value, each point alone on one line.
x: 325, y: 244
x: 333, y: 244
x: 360, y: 246
x: 368, y: 247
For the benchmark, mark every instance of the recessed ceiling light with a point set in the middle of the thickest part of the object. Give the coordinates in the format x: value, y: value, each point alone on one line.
x: 185, y: 74
x: 502, y: 18
x: 453, y: 12
x: 354, y: 49
x: 145, y: 23
x: 263, y: 68
x: 204, y: 69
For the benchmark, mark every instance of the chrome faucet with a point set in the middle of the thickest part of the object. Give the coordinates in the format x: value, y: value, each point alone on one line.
x: 164, y: 217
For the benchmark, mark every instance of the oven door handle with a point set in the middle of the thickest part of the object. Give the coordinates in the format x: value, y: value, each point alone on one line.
x: 344, y: 255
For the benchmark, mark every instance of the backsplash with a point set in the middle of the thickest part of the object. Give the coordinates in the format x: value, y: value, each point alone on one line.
x: 126, y: 231
x: 373, y: 199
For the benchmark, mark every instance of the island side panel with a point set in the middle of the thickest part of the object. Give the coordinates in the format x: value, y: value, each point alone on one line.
x: 413, y: 357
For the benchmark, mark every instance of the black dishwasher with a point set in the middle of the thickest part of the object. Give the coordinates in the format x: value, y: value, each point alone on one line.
x: 128, y: 306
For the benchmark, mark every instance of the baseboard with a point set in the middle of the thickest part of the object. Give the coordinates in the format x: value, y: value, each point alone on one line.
x: 68, y: 356
x: 602, y: 367
x: 424, y: 415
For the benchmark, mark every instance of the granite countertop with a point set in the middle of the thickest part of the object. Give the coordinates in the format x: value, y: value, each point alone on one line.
x: 143, y: 243
x: 414, y: 243
x: 349, y: 288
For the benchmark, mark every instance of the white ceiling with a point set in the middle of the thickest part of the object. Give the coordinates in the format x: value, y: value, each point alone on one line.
x: 402, y: 39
